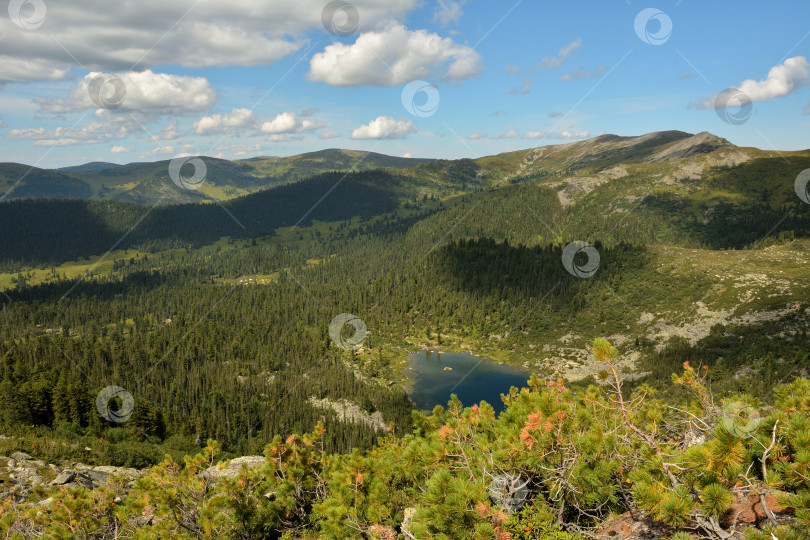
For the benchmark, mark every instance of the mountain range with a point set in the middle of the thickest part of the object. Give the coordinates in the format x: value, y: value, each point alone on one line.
x: 670, y: 155
x: 147, y: 183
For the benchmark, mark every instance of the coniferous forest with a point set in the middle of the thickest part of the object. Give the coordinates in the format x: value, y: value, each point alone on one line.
x: 213, y: 322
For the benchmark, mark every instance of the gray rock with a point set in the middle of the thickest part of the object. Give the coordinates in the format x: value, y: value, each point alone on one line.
x: 98, y: 478
x: 126, y: 471
x: 71, y: 478
x: 26, y: 474
x: 63, y: 478
x: 84, y: 480
x: 233, y: 467
x: 21, y: 456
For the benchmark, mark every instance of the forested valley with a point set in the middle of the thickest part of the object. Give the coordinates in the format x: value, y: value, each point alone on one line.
x: 209, y: 355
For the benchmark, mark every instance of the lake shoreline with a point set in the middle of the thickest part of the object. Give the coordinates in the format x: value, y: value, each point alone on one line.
x: 434, y: 374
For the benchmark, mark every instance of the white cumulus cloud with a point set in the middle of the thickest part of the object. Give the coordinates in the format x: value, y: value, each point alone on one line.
x: 225, y: 123
x: 169, y: 132
x: 159, y: 151
x: 145, y: 92
x: 511, y: 134
x: 385, y: 127
x: 120, y: 149
x: 239, y: 149
x: 283, y: 137
x: 477, y: 136
x: 329, y: 134
x: 781, y: 81
x: 106, y: 127
x: 392, y: 56
x: 289, y: 122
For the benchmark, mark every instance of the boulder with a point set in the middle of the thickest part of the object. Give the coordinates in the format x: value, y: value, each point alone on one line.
x: 21, y: 456
x: 84, y: 480
x: 63, y: 478
x: 748, y: 509
x: 70, y: 478
x: 230, y: 469
x: 109, y: 470
x: 26, y: 474
x: 98, y: 478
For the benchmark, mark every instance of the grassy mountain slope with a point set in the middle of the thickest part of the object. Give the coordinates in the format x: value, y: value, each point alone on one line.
x: 672, y: 155
x: 149, y: 182
x: 312, y: 163
x: 49, y: 231
x: 23, y: 181
x: 93, y: 166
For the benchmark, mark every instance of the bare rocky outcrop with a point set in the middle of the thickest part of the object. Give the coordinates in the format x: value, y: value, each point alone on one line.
x: 351, y: 412
x: 575, y: 187
x: 704, y: 319
x: 22, y: 477
x: 230, y: 469
x: 702, y: 143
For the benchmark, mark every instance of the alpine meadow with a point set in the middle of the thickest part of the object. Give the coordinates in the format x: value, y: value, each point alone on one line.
x: 401, y: 269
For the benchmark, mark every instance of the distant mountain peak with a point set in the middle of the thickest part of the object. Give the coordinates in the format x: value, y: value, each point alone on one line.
x: 93, y: 166
x: 655, y: 135
x: 702, y: 143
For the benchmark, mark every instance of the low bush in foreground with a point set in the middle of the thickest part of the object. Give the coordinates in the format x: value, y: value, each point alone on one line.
x: 554, y: 465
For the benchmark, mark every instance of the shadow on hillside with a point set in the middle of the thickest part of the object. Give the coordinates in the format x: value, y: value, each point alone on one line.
x: 484, y: 267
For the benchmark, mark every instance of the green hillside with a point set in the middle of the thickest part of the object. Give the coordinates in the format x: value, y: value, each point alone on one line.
x: 23, y: 181
x: 310, y: 164
x: 149, y: 183
x: 216, y: 319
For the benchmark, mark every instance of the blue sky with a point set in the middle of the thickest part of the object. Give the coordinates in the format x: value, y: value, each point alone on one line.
x: 252, y: 78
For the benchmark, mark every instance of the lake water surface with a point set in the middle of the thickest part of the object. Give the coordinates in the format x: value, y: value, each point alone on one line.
x: 472, y: 378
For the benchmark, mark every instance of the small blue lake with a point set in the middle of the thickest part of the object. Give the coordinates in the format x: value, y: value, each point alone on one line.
x: 472, y: 378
